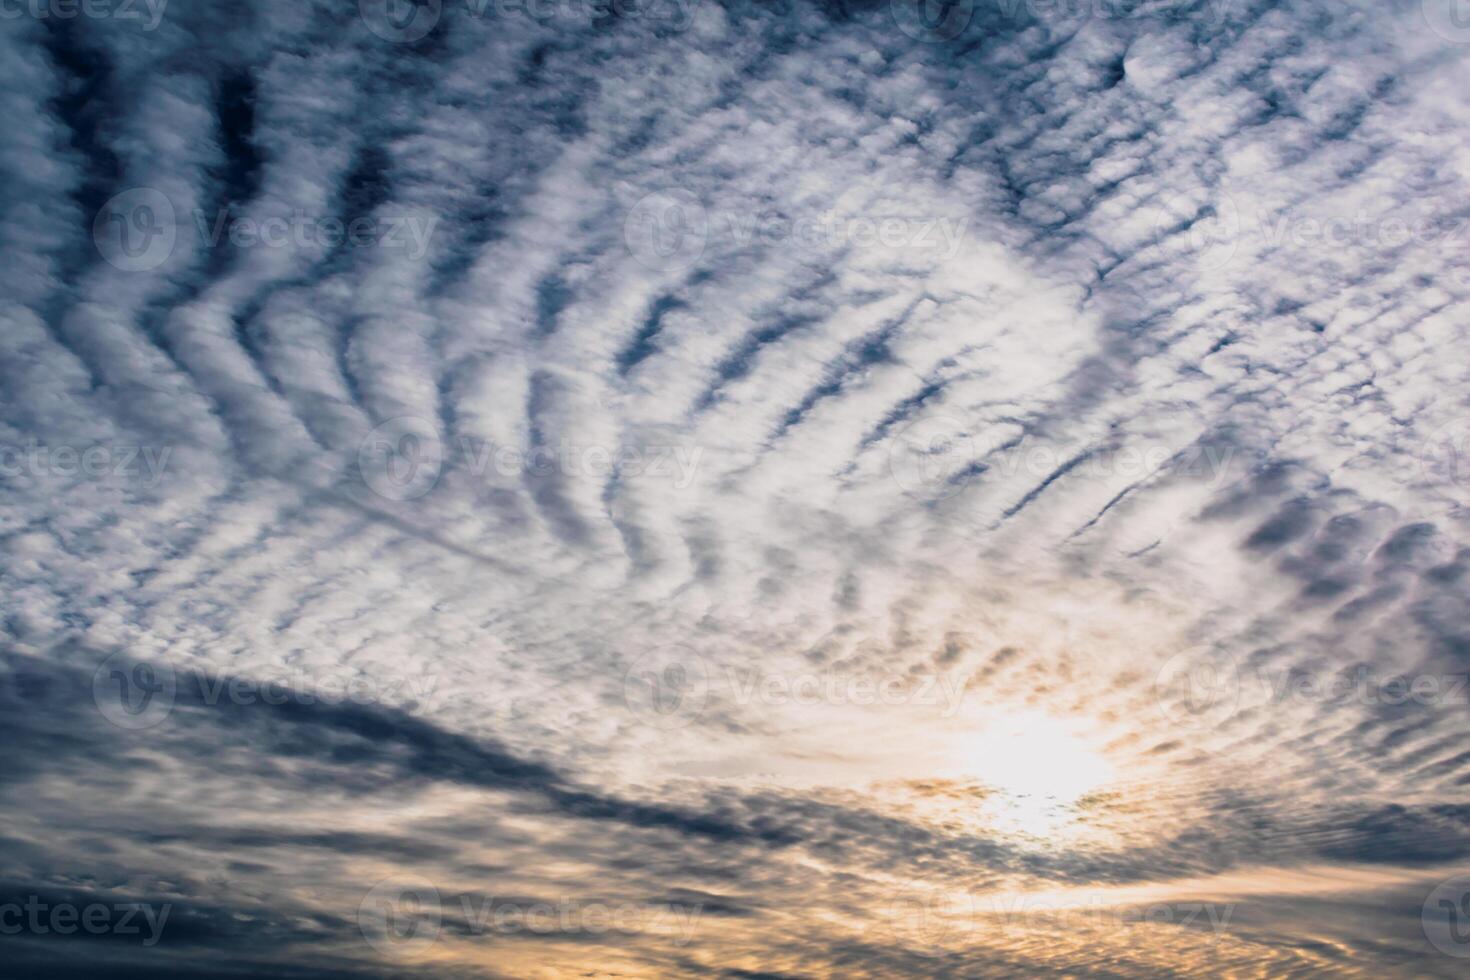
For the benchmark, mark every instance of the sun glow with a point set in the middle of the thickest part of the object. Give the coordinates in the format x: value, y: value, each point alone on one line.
x: 1038, y: 766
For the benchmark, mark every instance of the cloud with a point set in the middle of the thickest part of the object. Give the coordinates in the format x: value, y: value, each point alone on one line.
x: 518, y: 433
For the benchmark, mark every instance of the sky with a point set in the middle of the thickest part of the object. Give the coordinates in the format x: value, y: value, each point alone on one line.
x: 734, y: 488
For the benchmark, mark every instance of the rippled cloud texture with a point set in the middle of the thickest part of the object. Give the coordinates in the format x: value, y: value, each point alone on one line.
x: 736, y: 489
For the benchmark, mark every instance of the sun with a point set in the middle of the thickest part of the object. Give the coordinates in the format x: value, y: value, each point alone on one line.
x: 1038, y: 766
